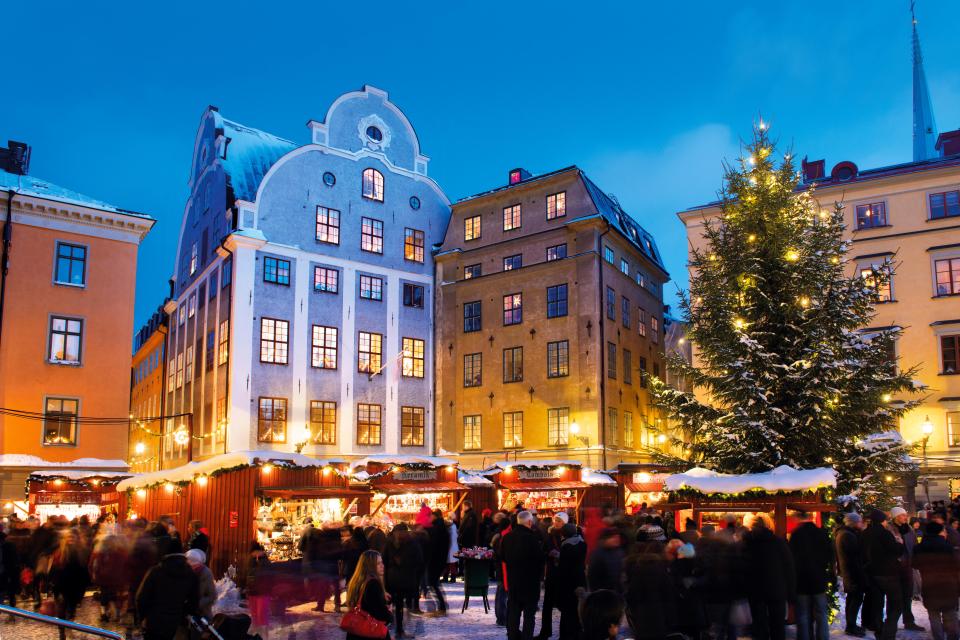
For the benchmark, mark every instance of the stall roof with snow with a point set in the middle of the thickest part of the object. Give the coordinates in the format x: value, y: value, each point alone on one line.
x: 503, y: 465
x: 783, y: 479
x: 35, y: 462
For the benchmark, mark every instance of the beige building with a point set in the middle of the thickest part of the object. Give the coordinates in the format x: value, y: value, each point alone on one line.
x: 908, y: 214
x: 549, y: 309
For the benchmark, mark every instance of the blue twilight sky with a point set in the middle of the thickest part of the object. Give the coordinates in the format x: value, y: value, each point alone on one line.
x: 647, y: 97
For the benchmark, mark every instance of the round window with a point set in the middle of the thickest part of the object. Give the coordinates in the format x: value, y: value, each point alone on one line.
x: 374, y: 134
x: 414, y: 202
x: 329, y: 179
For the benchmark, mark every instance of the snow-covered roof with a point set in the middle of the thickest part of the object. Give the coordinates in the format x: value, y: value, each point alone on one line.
x: 782, y: 478
x: 386, y: 458
x: 250, y: 154
x: 472, y: 479
x: 592, y: 477
x: 24, y: 460
x: 189, y: 471
x: 883, y: 441
x: 79, y: 475
x: 529, y: 464
x: 31, y: 186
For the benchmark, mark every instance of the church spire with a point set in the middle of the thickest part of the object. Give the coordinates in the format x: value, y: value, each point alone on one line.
x: 924, y: 126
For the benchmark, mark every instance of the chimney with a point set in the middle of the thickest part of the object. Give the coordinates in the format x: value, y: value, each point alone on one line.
x: 15, y: 158
x: 948, y: 144
x: 518, y: 175
x: 813, y: 170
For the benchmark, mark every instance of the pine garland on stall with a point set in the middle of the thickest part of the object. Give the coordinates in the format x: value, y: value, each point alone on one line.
x: 777, y: 318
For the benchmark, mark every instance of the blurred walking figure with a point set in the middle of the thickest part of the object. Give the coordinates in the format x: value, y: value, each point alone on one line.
x: 168, y: 594
x: 813, y: 559
x: 523, y: 555
x: 108, y: 570
x: 940, y: 587
x: 882, y: 553
x: 770, y: 578
x: 850, y: 561
x: 68, y: 575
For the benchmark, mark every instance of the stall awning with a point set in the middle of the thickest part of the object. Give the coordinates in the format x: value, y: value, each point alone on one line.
x: 410, y: 487
x: 541, y: 485
x: 290, y: 493
x: 643, y: 487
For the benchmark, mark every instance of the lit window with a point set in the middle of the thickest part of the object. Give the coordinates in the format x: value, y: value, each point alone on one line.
x: 373, y: 185
x: 627, y: 367
x: 194, y: 259
x: 371, y: 235
x: 368, y: 424
x: 471, y: 316
x: 512, y: 262
x: 272, y: 420
x: 558, y: 427
x: 192, y: 305
x: 513, y: 364
x: 511, y: 217
x: 328, y: 225
x: 612, y: 430
x: 369, y: 352
x: 611, y: 304
x: 324, y: 347
x: 556, y: 252
x: 412, y: 295
x: 641, y: 322
x: 654, y: 330
x: 273, y: 340
x: 223, y: 347
x: 323, y: 422
x: 557, y: 205
x: 412, y: 428
x: 471, y: 228
x: 179, y: 370
x: 871, y: 215
x: 413, y: 245
x: 371, y: 288
x: 413, y: 360
x: 276, y: 271
x: 188, y: 367
x: 880, y: 279
x: 513, y: 430
x: 558, y: 359
x: 628, y: 429
x: 471, y: 271
x: 608, y: 254
x: 71, y: 264
x: 953, y: 428
x: 624, y: 267
x: 641, y: 279
x: 948, y: 276
x: 945, y: 205
x: 66, y: 340
x: 471, y: 433
x: 611, y: 361
x: 60, y: 421
x: 557, y: 301
x: 625, y: 311
x: 512, y: 308
x: 473, y: 370
x: 326, y: 279
x: 950, y: 354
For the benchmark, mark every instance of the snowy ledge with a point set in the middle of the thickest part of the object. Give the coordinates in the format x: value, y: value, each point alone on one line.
x: 398, y: 460
x: 596, y: 478
x: 473, y: 480
x: 24, y: 460
x: 782, y: 478
x: 187, y: 472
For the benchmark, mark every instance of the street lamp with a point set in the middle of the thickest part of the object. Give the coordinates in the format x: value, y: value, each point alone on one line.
x: 927, y: 428
x: 304, y: 438
x: 584, y: 440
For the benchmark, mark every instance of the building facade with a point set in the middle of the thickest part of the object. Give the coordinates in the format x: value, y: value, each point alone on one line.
x: 147, y: 394
x: 66, y: 320
x: 303, y: 307
x: 550, y: 310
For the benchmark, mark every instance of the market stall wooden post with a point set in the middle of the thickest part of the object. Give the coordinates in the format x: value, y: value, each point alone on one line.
x: 548, y: 486
x: 401, y: 484
x: 73, y: 494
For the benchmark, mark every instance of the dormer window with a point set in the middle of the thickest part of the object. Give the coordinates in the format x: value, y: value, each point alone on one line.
x: 373, y: 184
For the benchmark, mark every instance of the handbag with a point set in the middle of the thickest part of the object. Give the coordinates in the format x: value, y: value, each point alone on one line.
x: 358, y: 622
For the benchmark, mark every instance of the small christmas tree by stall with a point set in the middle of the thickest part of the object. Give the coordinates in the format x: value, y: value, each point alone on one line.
x: 785, y: 374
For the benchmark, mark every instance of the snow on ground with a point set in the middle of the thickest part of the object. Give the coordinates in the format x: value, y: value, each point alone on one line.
x: 301, y: 623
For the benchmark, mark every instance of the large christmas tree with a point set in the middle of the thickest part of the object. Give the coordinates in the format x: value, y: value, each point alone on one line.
x: 784, y: 372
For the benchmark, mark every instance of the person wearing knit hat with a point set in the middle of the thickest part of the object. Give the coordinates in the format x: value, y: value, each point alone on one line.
x: 882, y: 551
x: 900, y: 527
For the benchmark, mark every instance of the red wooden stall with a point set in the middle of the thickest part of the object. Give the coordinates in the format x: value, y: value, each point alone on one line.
x: 402, y: 484
x: 73, y: 494
x: 548, y: 486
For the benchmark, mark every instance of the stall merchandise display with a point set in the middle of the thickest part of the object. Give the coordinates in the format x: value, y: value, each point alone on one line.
x: 550, y: 501
x: 280, y: 523
x: 409, y: 504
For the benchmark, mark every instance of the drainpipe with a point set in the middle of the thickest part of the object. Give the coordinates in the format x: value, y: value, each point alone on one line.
x: 5, y: 256
x: 226, y: 379
x: 603, y: 354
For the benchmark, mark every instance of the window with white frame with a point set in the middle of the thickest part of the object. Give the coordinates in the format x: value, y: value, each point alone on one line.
x: 947, y: 276
x: 471, y: 228
x: 556, y: 205
x: 413, y: 360
x: 192, y: 305
x: 188, y: 363
x: 412, y: 426
x: 558, y: 427
x: 628, y: 429
x: 613, y: 431
x: 513, y: 429
x: 878, y: 277
x: 369, y: 352
x: 323, y: 422
x: 272, y: 420
x: 368, y: 423
x: 472, y: 369
x: 373, y: 185
x: 624, y: 267
x: 66, y: 340
x: 511, y: 217
x: 471, y: 433
x: 223, y: 346
x: 558, y: 359
x: 60, y: 421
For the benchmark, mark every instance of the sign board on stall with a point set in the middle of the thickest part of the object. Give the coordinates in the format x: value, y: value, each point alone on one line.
x: 234, y: 519
x: 538, y: 474
x: 418, y: 476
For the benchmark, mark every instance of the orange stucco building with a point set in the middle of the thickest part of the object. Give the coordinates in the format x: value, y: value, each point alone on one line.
x: 66, y: 324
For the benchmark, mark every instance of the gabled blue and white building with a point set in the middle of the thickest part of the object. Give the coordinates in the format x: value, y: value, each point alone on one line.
x: 303, y: 300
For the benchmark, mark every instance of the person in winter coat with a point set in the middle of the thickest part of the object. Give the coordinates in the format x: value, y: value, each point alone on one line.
x: 523, y: 556
x: 900, y: 527
x: 198, y: 539
x: 353, y: 548
x: 501, y: 523
x: 439, y: 549
x: 377, y: 539
x: 9, y: 570
x: 403, y: 561
x: 850, y: 562
x: 469, y: 535
x: 206, y: 587
x: 552, y: 537
x: 881, y: 552
x: 688, y: 583
x: 771, y: 582
x: 650, y: 596
x: 570, y: 575
x: 68, y: 575
x: 721, y: 559
x: 453, y: 562
x: 108, y: 566
x: 143, y: 556
x: 169, y: 593
x: 486, y: 527
x: 606, y: 563
x: 940, y: 587
x: 365, y: 589
x: 814, y: 563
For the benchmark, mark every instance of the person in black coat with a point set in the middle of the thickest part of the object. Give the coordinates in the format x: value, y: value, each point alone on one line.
x: 439, y: 549
x: 771, y: 582
x: 365, y: 588
x: 606, y: 563
x: 813, y: 558
x: 9, y: 570
x: 850, y: 561
x: 523, y: 554
x: 881, y: 552
x: 650, y: 596
x: 569, y: 575
x: 403, y: 561
x: 469, y: 528
x: 169, y: 592
x: 198, y: 539
x: 939, y: 569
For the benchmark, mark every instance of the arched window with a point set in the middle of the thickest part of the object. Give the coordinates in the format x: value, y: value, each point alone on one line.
x: 373, y: 184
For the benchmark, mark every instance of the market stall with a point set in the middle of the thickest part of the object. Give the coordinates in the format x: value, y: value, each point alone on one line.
x: 602, y: 489
x: 548, y: 486
x: 401, y: 485
x: 707, y: 496
x: 73, y: 493
x: 267, y: 496
x: 639, y: 484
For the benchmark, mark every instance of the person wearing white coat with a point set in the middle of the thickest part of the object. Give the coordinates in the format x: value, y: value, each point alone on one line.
x: 452, y: 559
